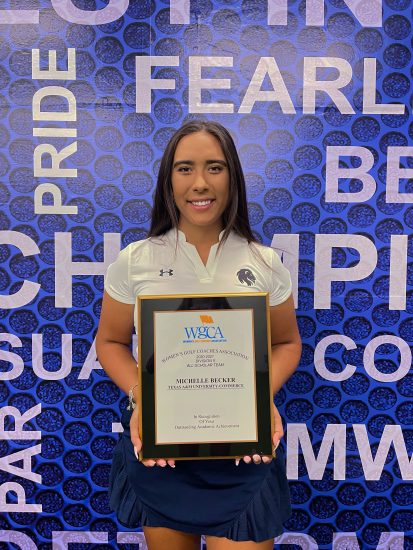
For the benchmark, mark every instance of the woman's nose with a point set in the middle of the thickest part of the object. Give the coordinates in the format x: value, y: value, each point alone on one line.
x: 200, y: 182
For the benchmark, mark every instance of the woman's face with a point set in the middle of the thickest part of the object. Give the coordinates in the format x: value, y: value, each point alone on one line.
x: 200, y: 182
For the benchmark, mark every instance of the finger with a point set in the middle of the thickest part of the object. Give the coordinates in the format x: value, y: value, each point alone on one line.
x: 161, y: 463
x: 266, y: 459
x: 149, y: 463
x: 247, y: 459
x: 276, y: 440
x: 171, y: 463
x: 279, y: 434
x: 278, y: 425
x: 134, y: 430
x: 256, y: 459
x: 237, y: 461
x: 137, y: 443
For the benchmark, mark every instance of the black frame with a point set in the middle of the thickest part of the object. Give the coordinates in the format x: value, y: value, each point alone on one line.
x: 147, y: 306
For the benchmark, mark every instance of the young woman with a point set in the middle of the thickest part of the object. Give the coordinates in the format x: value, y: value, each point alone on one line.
x: 200, y: 241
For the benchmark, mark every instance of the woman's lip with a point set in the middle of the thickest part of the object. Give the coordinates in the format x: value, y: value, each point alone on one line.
x: 201, y: 206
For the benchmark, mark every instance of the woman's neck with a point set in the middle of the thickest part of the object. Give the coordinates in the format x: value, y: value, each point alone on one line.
x: 201, y: 236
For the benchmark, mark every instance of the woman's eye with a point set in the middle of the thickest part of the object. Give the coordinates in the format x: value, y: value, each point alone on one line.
x: 184, y: 169
x: 217, y: 168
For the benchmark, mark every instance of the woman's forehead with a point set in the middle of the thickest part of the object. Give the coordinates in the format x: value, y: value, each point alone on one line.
x: 201, y: 144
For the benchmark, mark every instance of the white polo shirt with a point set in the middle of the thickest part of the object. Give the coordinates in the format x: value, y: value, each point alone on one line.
x: 171, y: 265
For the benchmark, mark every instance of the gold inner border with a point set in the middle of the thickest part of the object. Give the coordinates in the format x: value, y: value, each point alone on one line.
x: 251, y: 310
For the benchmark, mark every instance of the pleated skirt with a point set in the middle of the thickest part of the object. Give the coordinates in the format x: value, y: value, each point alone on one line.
x: 205, y: 497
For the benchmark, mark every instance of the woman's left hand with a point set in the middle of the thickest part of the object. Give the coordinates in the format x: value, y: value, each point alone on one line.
x: 276, y: 438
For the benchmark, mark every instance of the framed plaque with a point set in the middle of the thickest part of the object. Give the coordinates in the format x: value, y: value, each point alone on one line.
x: 205, y: 376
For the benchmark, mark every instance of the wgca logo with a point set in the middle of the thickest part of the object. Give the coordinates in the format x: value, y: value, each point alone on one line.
x: 208, y: 331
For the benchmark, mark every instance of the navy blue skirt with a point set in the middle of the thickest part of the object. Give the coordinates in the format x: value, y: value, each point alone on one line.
x: 205, y: 497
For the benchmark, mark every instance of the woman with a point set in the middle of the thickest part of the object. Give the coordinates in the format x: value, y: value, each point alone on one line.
x: 200, y: 241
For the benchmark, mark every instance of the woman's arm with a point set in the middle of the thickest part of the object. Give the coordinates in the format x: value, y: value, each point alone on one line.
x: 285, y: 342
x: 113, y: 343
x: 286, y: 351
x: 113, y: 350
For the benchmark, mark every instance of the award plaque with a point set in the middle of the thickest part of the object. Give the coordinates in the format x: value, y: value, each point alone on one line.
x: 204, y: 376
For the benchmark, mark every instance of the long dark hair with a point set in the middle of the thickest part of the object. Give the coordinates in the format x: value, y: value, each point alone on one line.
x: 165, y: 214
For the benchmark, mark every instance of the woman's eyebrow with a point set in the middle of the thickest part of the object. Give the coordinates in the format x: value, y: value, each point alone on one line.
x: 191, y: 162
x: 178, y: 162
x: 217, y: 162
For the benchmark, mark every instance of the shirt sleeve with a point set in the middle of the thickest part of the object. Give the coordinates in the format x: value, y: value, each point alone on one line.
x: 117, y: 279
x: 280, y: 286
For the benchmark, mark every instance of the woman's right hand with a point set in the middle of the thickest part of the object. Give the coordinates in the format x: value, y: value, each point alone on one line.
x: 137, y: 443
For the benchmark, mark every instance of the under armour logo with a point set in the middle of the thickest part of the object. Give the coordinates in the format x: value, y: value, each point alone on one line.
x: 246, y: 276
x: 163, y: 272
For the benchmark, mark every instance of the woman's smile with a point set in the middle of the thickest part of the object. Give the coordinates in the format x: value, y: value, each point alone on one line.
x: 201, y: 204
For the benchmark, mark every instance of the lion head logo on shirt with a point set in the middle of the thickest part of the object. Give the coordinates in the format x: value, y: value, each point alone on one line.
x: 246, y: 276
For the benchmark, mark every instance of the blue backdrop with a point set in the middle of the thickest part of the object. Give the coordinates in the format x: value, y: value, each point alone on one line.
x: 319, y: 102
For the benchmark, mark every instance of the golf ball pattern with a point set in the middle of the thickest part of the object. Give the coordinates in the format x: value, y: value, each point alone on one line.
x: 284, y: 159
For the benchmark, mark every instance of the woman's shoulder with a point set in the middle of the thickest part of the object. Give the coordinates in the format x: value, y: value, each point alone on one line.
x: 132, y: 263
x: 145, y: 245
x: 269, y: 261
x: 138, y: 255
x: 266, y: 253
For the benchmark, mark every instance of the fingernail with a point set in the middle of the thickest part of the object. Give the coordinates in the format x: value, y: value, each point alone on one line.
x: 237, y: 462
x: 136, y: 453
x: 172, y: 465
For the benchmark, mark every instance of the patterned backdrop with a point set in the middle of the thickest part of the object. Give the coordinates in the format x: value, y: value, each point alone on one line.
x: 72, y: 195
